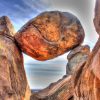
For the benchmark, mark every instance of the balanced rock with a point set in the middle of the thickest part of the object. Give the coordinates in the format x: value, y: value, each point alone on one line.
x: 13, y: 82
x: 77, y: 57
x: 50, y: 34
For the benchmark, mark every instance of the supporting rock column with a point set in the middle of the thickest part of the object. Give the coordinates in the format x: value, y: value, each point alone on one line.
x: 13, y: 82
x: 77, y: 57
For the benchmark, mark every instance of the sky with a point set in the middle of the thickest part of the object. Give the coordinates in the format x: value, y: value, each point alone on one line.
x: 41, y: 74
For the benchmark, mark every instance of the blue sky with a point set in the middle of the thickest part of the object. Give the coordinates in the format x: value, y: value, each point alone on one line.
x: 41, y: 74
x: 20, y: 11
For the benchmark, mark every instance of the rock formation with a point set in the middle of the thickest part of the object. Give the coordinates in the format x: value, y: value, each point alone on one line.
x: 77, y: 56
x: 45, y: 37
x: 13, y: 82
x: 86, y: 81
x: 60, y: 90
x: 86, y: 78
x: 87, y: 84
x: 6, y: 27
x: 64, y: 88
x: 50, y: 34
x: 97, y: 16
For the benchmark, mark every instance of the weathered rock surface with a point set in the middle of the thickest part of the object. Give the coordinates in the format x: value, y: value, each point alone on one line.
x: 87, y: 80
x: 83, y: 82
x: 86, y: 77
x: 13, y: 82
x: 77, y: 56
x: 50, y: 34
x: 87, y: 84
x: 60, y: 90
x: 97, y: 16
x: 6, y: 28
x: 64, y: 88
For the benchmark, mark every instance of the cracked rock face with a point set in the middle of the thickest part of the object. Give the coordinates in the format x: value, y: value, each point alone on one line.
x: 50, y: 34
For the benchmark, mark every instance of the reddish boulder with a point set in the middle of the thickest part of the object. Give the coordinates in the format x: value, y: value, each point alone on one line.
x: 50, y: 34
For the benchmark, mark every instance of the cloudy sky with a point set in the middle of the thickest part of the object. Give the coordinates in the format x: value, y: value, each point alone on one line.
x: 41, y: 74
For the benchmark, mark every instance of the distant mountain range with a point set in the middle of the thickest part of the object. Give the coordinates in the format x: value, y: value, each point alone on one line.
x: 35, y: 90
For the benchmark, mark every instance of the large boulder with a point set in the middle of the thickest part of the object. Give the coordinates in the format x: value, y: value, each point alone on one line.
x: 50, y: 34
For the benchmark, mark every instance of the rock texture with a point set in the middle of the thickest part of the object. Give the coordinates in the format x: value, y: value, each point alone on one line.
x: 64, y: 88
x: 43, y: 38
x: 50, y: 34
x: 13, y: 82
x: 97, y: 16
x: 60, y: 90
x: 77, y: 56
x: 87, y: 85
x: 83, y: 84
x: 86, y: 76
x: 87, y: 80
x: 6, y: 28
